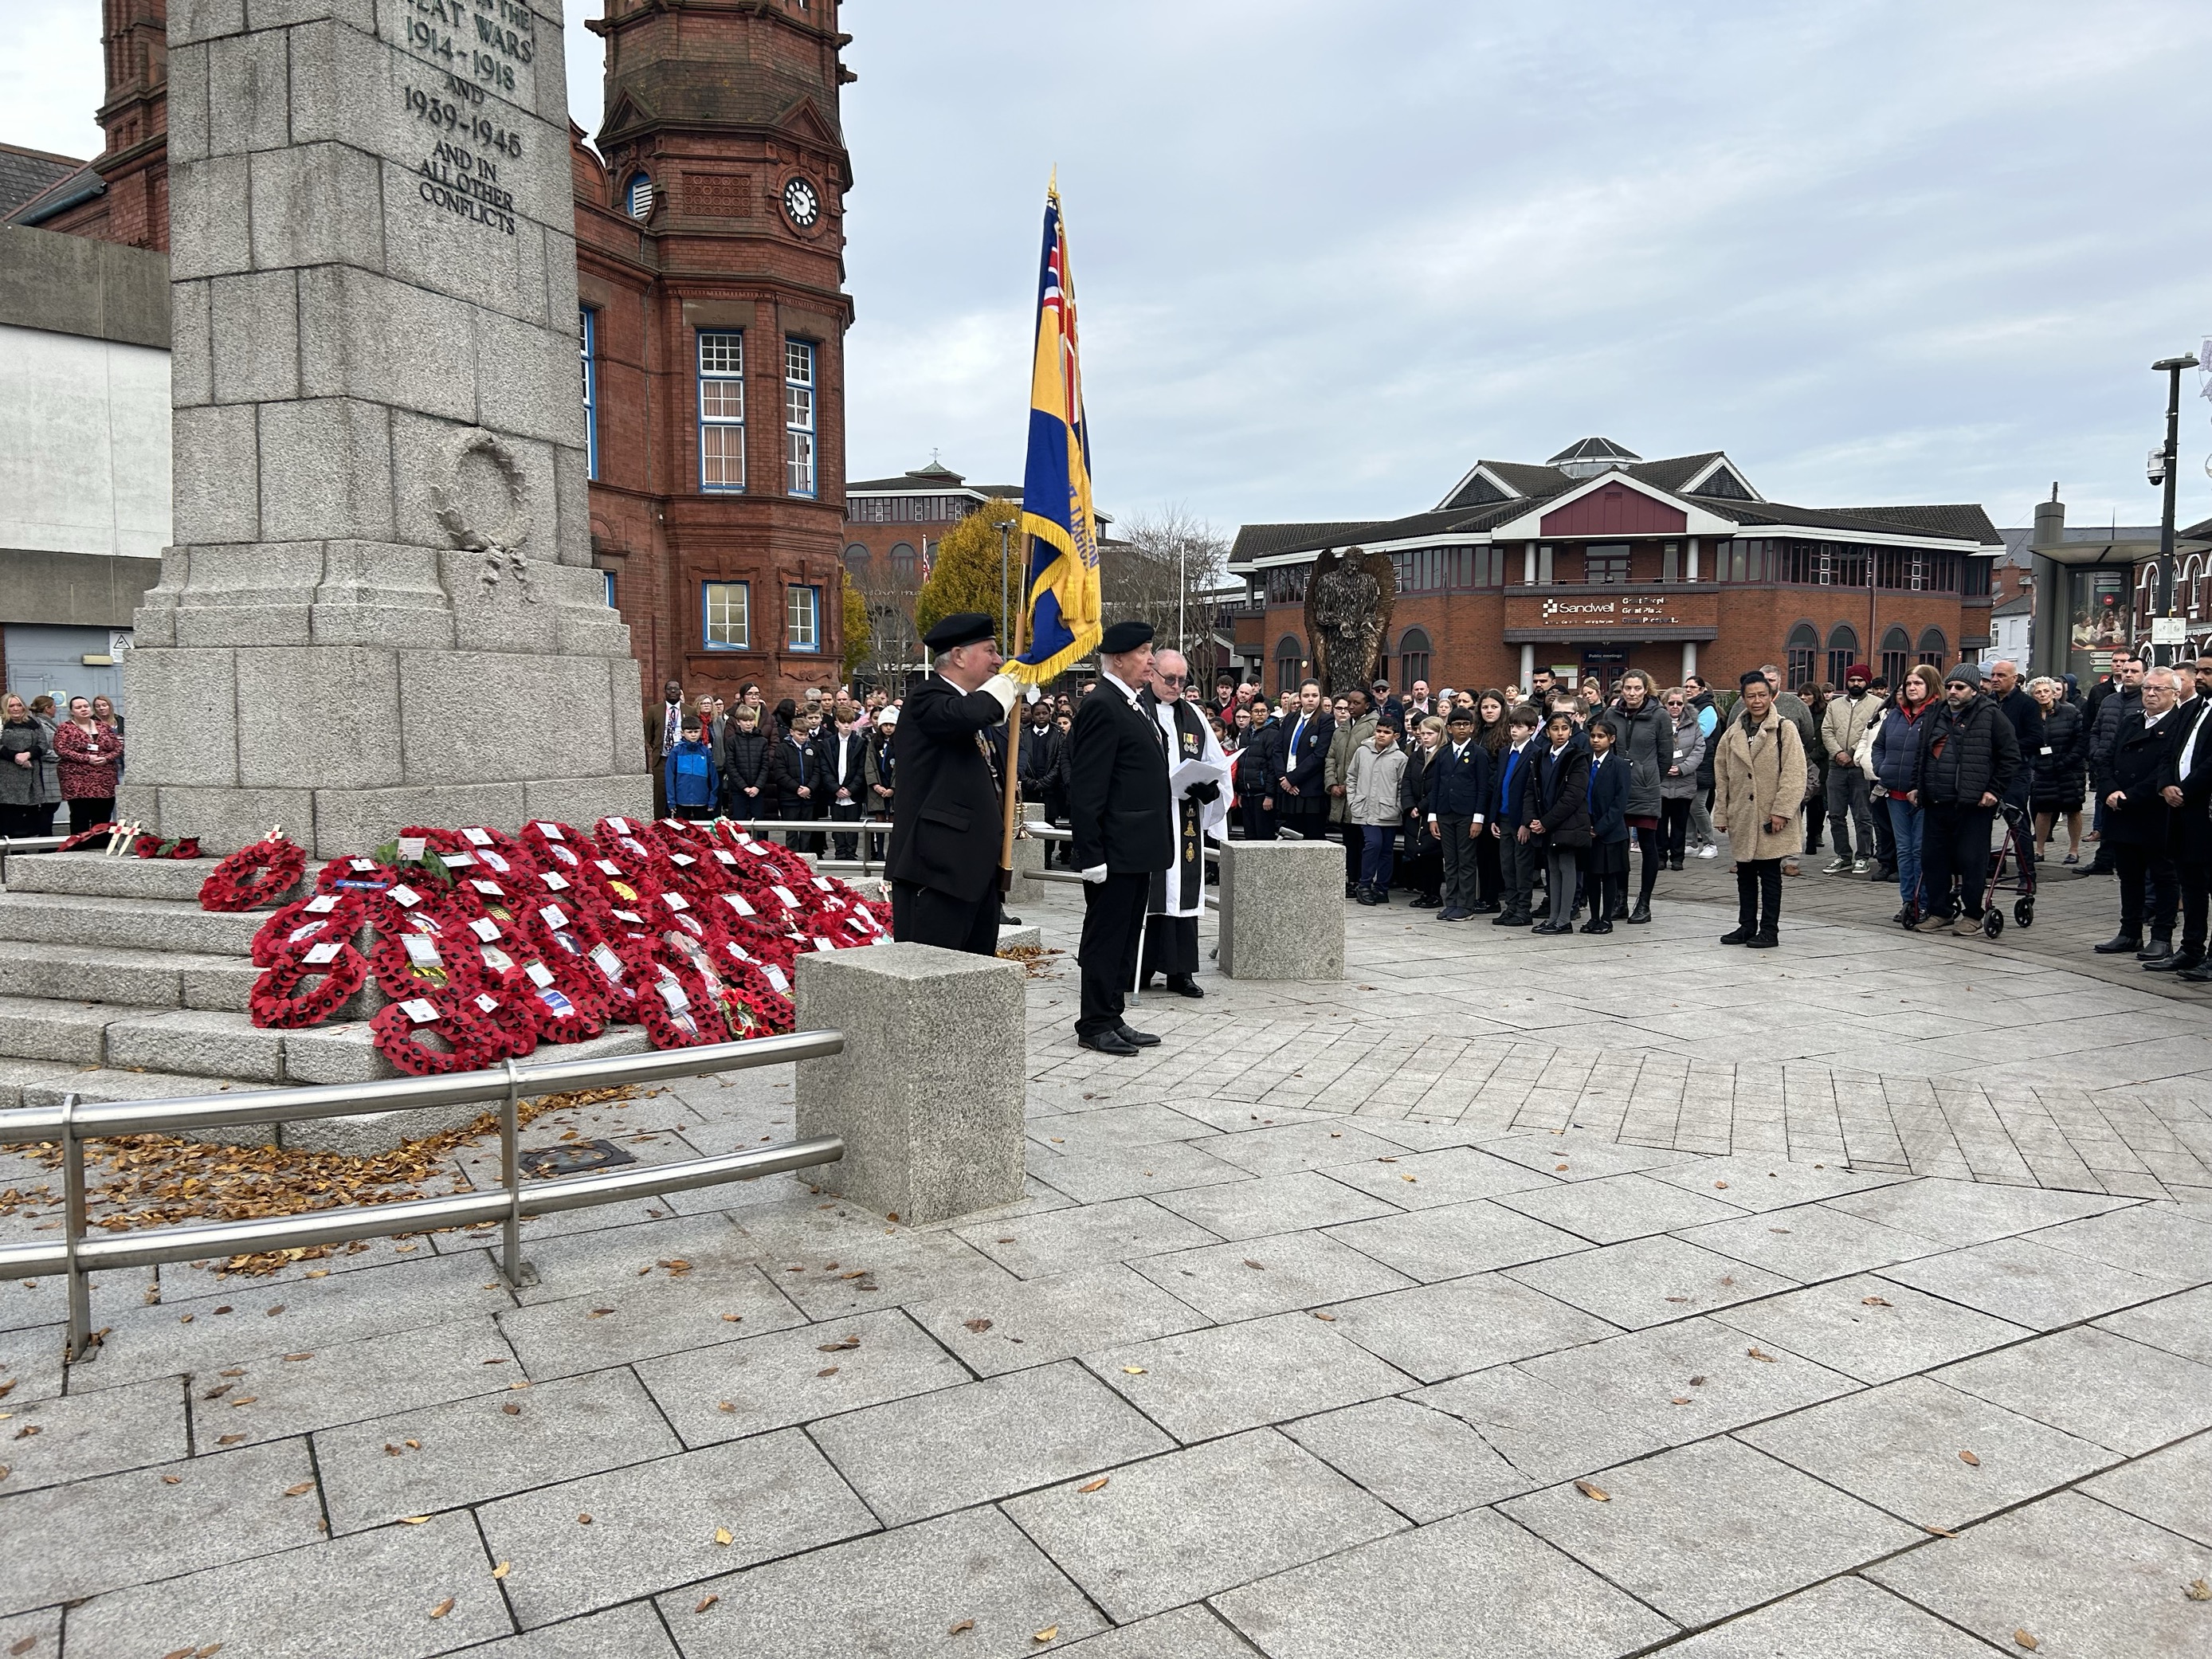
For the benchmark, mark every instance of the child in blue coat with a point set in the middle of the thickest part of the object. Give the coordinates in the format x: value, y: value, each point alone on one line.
x: 689, y: 775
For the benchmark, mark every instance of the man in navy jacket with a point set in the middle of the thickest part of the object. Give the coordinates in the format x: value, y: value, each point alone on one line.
x: 1459, y: 807
x: 1508, y: 817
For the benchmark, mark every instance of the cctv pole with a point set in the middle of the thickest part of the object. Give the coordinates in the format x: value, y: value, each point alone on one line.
x: 2172, y: 367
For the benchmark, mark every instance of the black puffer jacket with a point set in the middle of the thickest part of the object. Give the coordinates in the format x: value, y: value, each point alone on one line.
x: 2057, y: 759
x: 2104, y: 734
x: 744, y: 765
x: 1965, y: 753
x: 1260, y: 761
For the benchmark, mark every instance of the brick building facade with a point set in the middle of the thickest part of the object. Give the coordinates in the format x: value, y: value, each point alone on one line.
x: 710, y: 277
x: 1598, y: 562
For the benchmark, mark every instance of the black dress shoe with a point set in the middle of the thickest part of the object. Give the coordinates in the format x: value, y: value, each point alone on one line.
x: 2199, y: 974
x: 1130, y: 1035
x: 1641, y: 913
x: 2155, y: 950
x: 1597, y: 925
x: 1740, y: 936
x: 1108, y: 1042
x: 1509, y: 918
x: 2174, y: 962
x: 2120, y: 945
x: 1184, y: 986
x: 1761, y: 942
x: 1486, y: 907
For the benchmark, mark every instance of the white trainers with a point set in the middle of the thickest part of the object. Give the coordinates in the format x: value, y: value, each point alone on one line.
x: 1860, y: 866
x: 1709, y: 851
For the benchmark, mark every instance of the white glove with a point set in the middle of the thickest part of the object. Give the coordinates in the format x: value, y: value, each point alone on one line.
x: 1096, y: 872
x: 1006, y: 691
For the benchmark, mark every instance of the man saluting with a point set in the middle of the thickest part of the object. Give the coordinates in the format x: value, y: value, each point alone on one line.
x: 1123, y: 830
x: 943, y: 862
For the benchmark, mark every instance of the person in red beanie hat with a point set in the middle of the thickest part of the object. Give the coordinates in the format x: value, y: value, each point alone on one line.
x: 1847, y: 728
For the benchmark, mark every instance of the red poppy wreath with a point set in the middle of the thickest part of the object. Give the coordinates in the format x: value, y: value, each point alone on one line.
x: 254, y: 875
x: 278, y: 1001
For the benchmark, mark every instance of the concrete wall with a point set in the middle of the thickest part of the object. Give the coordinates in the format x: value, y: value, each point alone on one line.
x: 84, y: 428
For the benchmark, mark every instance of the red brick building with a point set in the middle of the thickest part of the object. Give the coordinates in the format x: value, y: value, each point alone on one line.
x: 1598, y: 561
x: 710, y: 275
x: 890, y: 525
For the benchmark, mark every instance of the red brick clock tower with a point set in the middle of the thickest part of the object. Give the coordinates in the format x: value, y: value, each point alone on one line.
x: 710, y: 254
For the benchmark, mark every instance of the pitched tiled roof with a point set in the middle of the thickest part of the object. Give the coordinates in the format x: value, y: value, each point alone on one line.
x: 1674, y: 473
x: 1257, y: 541
x: 1964, y: 521
x: 25, y: 174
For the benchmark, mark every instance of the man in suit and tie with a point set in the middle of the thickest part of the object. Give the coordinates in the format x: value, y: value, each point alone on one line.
x: 1123, y: 831
x: 2187, y: 793
x: 1458, y: 810
x: 1301, y: 790
x: 943, y: 861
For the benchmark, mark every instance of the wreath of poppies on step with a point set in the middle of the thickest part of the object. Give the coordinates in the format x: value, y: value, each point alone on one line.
x: 151, y: 846
x: 277, y: 1002
x: 356, y: 875
x: 502, y: 1009
x: 300, y: 927
x: 406, y: 973
x: 471, y: 1044
x: 99, y: 832
x: 746, y: 982
x: 252, y: 876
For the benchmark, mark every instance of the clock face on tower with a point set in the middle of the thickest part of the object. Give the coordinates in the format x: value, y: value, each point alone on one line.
x: 802, y: 202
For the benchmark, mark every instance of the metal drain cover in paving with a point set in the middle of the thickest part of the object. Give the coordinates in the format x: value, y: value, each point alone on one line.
x: 573, y: 1157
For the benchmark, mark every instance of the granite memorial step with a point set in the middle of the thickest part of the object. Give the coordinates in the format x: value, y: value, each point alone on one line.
x: 345, y: 1053
x: 146, y: 979
x: 126, y: 923
x: 89, y: 875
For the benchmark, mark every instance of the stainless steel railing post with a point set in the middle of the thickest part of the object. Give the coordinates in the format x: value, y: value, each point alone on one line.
x: 518, y: 1272
x: 78, y: 1343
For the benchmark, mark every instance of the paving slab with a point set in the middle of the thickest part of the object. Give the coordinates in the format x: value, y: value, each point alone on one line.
x: 633, y: 1632
x: 1475, y: 1584
x: 1423, y: 1462
x: 2094, y: 1385
x: 68, y: 1543
x: 911, y: 1459
x: 274, y: 1396
x: 373, y: 1593
x: 1195, y: 1522
x: 1615, y: 1209
x: 791, y: 1376
x: 1681, y: 1383
x: 2030, y: 1284
x: 1899, y: 1446
x: 1456, y: 1239
x: 1961, y: 1212
x: 1812, y: 1242
x: 1543, y: 1431
x: 1771, y: 1182
x: 2161, y: 1241
x: 1061, y: 1240
x: 1254, y: 1276
x: 1871, y: 1329
x: 1707, y: 1530
x: 1096, y: 1173
x: 1649, y: 1281
x: 2180, y: 1324
x: 1586, y: 1156
x: 1457, y: 1325
x: 1452, y: 1175
x: 657, y: 1525
x: 995, y: 1328
x: 33, y: 1635
x: 1318, y: 1145
x: 1843, y: 1619
x: 1194, y: 1632
x: 2171, y: 1489
x: 893, y: 1594
x: 658, y: 1314
x: 436, y: 1457
x: 64, y: 1437
x: 1200, y: 1384
x: 1273, y: 1204
x: 2077, y: 1575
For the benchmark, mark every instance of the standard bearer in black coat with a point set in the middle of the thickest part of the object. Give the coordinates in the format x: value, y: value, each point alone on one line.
x: 943, y: 862
x: 1123, y: 831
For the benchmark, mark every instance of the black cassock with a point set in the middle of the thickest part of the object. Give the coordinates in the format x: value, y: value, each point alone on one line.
x: 1178, y: 896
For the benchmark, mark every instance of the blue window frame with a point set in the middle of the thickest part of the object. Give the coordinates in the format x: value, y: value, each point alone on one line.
x: 587, y: 337
x: 802, y: 618
x: 799, y: 418
x: 609, y: 576
x: 726, y: 607
x: 721, y: 411
x: 637, y: 196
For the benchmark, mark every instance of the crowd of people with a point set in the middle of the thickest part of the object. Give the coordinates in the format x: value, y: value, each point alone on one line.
x: 1556, y: 807
x: 48, y: 760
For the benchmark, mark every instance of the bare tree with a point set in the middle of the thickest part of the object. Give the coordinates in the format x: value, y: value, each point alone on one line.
x: 1165, y: 569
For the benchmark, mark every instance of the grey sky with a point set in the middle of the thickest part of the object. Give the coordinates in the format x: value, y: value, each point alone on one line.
x: 1328, y: 254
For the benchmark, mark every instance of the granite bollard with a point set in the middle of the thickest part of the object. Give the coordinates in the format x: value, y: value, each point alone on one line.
x: 928, y: 1092
x: 1282, y: 910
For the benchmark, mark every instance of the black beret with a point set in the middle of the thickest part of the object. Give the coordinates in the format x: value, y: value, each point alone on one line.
x: 1125, y: 636
x: 961, y: 628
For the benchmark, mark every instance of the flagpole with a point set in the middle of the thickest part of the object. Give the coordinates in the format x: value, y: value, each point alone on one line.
x: 1014, y: 740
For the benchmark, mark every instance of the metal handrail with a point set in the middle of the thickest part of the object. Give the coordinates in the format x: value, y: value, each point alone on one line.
x: 1048, y: 832
x: 867, y: 829
x: 78, y: 1256
x: 11, y: 845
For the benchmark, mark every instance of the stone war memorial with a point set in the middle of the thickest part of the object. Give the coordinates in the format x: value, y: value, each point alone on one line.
x: 381, y: 550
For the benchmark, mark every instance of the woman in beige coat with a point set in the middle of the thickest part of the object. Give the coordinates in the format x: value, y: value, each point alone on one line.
x: 1758, y: 790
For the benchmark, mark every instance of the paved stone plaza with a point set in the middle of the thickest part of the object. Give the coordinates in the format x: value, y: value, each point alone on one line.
x: 1514, y: 1297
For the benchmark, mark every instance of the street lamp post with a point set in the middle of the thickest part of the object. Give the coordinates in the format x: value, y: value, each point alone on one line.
x: 2167, y: 469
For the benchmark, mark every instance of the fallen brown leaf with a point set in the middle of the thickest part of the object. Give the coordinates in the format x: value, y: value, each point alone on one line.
x: 827, y: 1371
x: 978, y: 1326
x: 1250, y: 1263
x: 838, y: 1346
x: 1696, y: 1381
x: 1047, y: 1634
x: 724, y: 1406
x: 1765, y: 1359
x: 300, y: 1491
x: 960, y: 1627
x: 1873, y: 1302
x: 503, y: 1568
x: 705, y: 1603
x: 1592, y: 1491
x: 511, y: 1409
x: 583, y: 1520
x: 2025, y: 1640
x: 294, y: 1358
x: 172, y: 1480
x: 228, y: 1439
x: 23, y: 1646
x: 412, y: 1520
x: 1681, y: 1400
x: 1968, y: 1458
x: 1094, y: 1486
x: 731, y: 1319
x: 1326, y: 1318
x: 442, y: 1609
x: 722, y: 1536
x: 1941, y: 1532
x: 1134, y: 1371
x: 2199, y: 1590
x: 1721, y: 1186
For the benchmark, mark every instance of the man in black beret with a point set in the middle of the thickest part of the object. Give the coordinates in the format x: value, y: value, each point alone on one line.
x: 943, y: 862
x: 1124, y: 831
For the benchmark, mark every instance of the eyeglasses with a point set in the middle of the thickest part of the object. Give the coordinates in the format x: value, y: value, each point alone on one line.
x: 1958, y: 685
x: 1174, y: 679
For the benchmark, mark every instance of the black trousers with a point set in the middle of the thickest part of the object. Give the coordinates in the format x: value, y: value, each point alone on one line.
x: 1113, y: 928
x: 2138, y: 867
x: 1674, y: 826
x: 1462, y: 860
x: 1355, y: 852
x: 1647, y: 840
x: 1259, y: 823
x: 1758, y: 895
x: 1170, y: 947
x: 1516, y: 868
x: 1489, y: 871
x: 2194, y: 877
x: 1954, y: 847
x: 85, y: 813
x: 924, y: 916
x: 846, y: 812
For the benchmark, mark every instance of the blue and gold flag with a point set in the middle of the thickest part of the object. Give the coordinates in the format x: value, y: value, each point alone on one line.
x: 1061, y: 596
